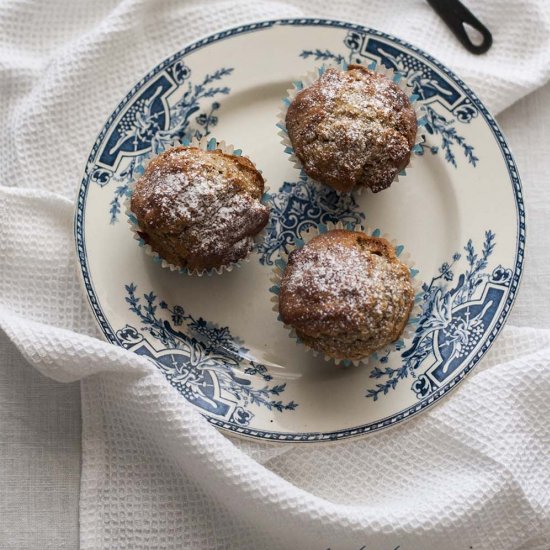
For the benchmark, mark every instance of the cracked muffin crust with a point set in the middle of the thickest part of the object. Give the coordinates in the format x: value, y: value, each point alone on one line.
x: 353, y: 128
x: 200, y: 209
x: 346, y: 294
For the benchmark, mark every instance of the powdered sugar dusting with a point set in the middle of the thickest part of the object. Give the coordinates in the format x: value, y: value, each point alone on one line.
x: 343, y: 279
x: 345, y: 300
x: 202, y: 206
x: 230, y: 225
x: 187, y: 196
x: 352, y: 128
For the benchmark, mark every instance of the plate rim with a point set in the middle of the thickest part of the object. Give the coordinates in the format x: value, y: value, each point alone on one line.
x: 108, y: 333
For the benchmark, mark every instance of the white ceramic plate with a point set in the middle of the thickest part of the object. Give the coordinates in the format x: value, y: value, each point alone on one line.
x: 458, y: 213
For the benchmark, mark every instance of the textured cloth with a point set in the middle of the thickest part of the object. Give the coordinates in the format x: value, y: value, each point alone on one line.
x: 39, y: 457
x: 473, y: 472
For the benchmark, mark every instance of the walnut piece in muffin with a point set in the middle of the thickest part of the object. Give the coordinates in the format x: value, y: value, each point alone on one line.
x: 353, y: 128
x: 200, y: 209
x: 346, y: 294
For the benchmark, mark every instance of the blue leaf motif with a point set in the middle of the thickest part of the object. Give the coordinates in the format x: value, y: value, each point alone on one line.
x: 203, y: 358
x: 443, y: 320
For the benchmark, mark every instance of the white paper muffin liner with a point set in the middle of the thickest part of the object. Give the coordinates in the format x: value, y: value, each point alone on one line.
x: 402, y: 254
x: 206, y: 143
x: 311, y: 76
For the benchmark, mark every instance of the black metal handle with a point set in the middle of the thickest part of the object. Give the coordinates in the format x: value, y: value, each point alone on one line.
x: 456, y: 15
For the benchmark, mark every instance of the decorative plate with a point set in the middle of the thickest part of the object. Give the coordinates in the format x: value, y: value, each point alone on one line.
x: 458, y: 213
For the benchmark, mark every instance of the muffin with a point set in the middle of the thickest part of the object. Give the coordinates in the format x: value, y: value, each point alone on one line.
x: 352, y: 129
x: 199, y: 209
x: 346, y: 294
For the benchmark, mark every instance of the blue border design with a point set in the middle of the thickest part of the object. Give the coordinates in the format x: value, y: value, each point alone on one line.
x: 508, y: 159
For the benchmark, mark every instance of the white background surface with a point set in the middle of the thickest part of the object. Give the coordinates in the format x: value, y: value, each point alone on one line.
x: 40, y: 419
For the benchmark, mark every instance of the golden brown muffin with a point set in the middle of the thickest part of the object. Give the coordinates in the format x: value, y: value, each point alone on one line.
x: 200, y: 209
x: 346, y: 294
x: 353, y: 128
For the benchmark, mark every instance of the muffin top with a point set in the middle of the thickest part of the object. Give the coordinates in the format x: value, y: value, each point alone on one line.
x: 200, y: 209
x: 353, y: 128
x: 346, y: 294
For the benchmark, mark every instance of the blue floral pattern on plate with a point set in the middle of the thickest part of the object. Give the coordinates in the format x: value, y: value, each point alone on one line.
x: 464, y: 304
x: 298, y: 206
x: 204, y: 362
x: 452, y: 322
